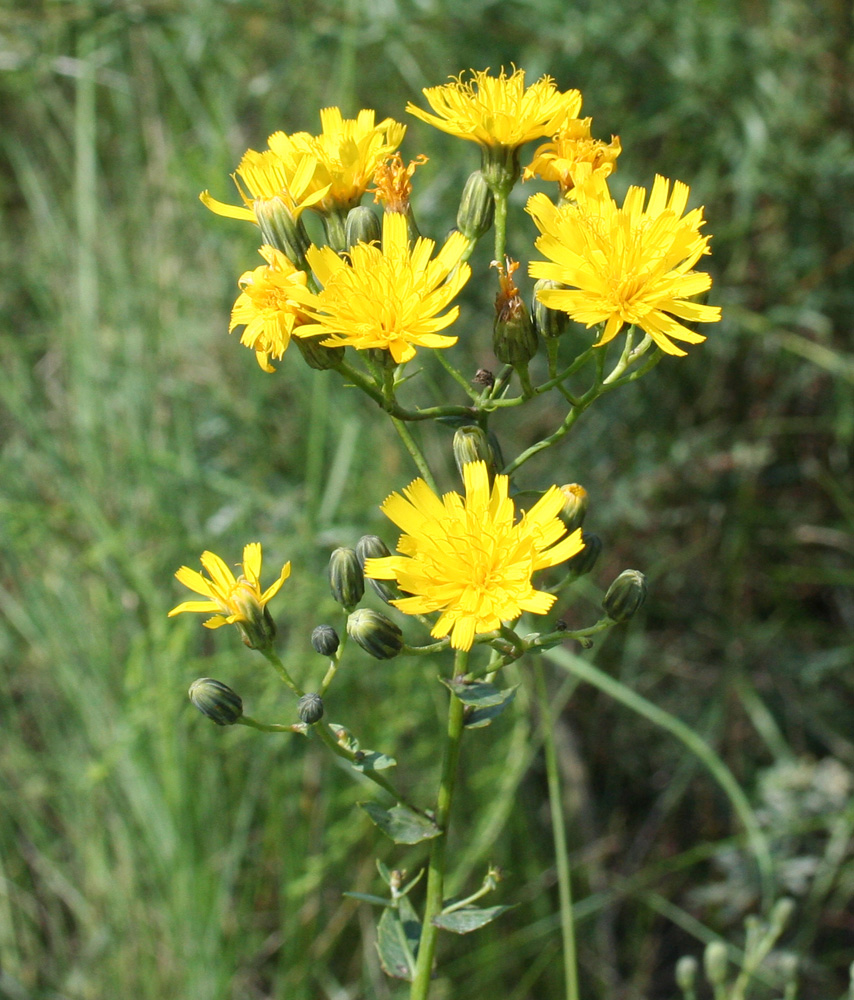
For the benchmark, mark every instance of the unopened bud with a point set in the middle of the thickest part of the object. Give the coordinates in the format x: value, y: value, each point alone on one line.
x: 583, y: 562
x: 324, y: 640
x: 216, y: 700
x: 310, y: 708
x: 316, y: 356
x: 715, y: 963
x: 477, y: 207
x: 362, y: 226
x: 625, y: 595
x: 471, y: 444
x: 281, y: 230
x: 373, y: 547
x: 346, y: 580
x: 575, y: 504
x: 514, y: 340
x: 686, y: 973
x: 375, y: 633
x: 548, y: 322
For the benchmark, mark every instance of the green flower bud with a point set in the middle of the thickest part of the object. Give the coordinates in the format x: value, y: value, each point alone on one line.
x: 280, y: 230
x: 584, y: 561
x: 310, y: 708
x: 477, y: 207
x: 715, y: 963
x: 317, y: 356
x: 346, y: 580
x: 686, y: 973
x: 373, y: 547
x: 216, y: 700
x: 362, y: 226
x: 514, y: 339
x: 471, y: 444
x: 325, y: 640
x: 548, y: 322
x: 625, y: 595
x: 575, y: 505
x: 375, y: 633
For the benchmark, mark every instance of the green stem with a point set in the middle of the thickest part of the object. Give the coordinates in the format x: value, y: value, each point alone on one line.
x: 698, y: 746
x: 500, y: 225
x: 457, y: 376
x: 270, y: 727
x: 436, y: 867
x: 279, y: 667
x: 334, y: 663
x: 327, y: 736
x: 570, y: 964
x: 416, y: 453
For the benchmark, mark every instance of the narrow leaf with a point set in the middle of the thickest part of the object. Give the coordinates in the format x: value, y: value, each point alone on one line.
x: 401, y: 824
x: 469, y: 918
x: 366, y: 897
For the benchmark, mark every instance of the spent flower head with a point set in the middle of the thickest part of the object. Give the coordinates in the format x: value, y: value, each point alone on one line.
x: 345, y: 155
x: 394, y: 182
x: 234, y: 601
x: 469, y: 558
x: 386, y: 297
x: 629, y: 265
x: 268, y: 307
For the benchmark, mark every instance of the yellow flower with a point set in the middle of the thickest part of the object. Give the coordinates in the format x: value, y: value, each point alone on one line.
x: 386, y: 297
x: 573, y: 155
x: 236, y: 601
x: 345, y: 154
x: 498, y: 111
x: 470, y: 559
x: 267, y: 307
x: 625, y: 265
x: 262, y: 177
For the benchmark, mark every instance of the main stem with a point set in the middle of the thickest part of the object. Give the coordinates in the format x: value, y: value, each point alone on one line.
x: 436, y: 868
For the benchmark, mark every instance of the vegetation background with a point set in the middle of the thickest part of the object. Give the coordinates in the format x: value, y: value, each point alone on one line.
x: 146, y: 853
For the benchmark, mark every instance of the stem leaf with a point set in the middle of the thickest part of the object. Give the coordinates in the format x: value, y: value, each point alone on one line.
x: 366, y: 897
x: 401, y: 824
x: 398, y: 934
x: 373, y: 760
x: 479, y: 694
x: 470, y: 918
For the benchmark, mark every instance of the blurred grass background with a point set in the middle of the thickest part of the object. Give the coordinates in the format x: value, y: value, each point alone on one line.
x: 146, y: 853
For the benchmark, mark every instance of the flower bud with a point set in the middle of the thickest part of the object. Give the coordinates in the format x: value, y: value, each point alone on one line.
x: 477, y: 207
x: 582, y: 562
x: 346, y: 580
x: 281, y: 230
x: 548, y: 322
x: 316, y: 356
x: 310, y: 708
x: 373, y: 547
x: 362, y: 226
x: 325, y: 640
x: 686, y: 973
x: 715, y: 963
x: 216, y: 700
x: 576, y: 502
x: 625, y: 595
x: 514, y: 339
x: 375, y: 633
x: 471, y: 444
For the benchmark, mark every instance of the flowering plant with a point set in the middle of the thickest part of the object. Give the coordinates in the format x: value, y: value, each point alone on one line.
x: 469, y: 565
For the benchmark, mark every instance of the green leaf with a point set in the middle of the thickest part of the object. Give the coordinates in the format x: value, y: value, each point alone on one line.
x: 372, y: 760
x: 479, y: 694
x: 401, y: 824
x: 366, y: 897
x: 469, y: 918
x: 398, y: 934
x: 483, y: 716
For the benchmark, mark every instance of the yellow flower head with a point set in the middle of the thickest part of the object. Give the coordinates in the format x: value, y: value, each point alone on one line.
x: 498, y: 110
x: 386, y: 297
x: 573, y: 155
x: 394, y: 182
x: 625, y: 265
x: 345, y: 154
x: 469, y: 558
x: 234, y: 601
x: 266, y: 176
x: 267, y: 307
